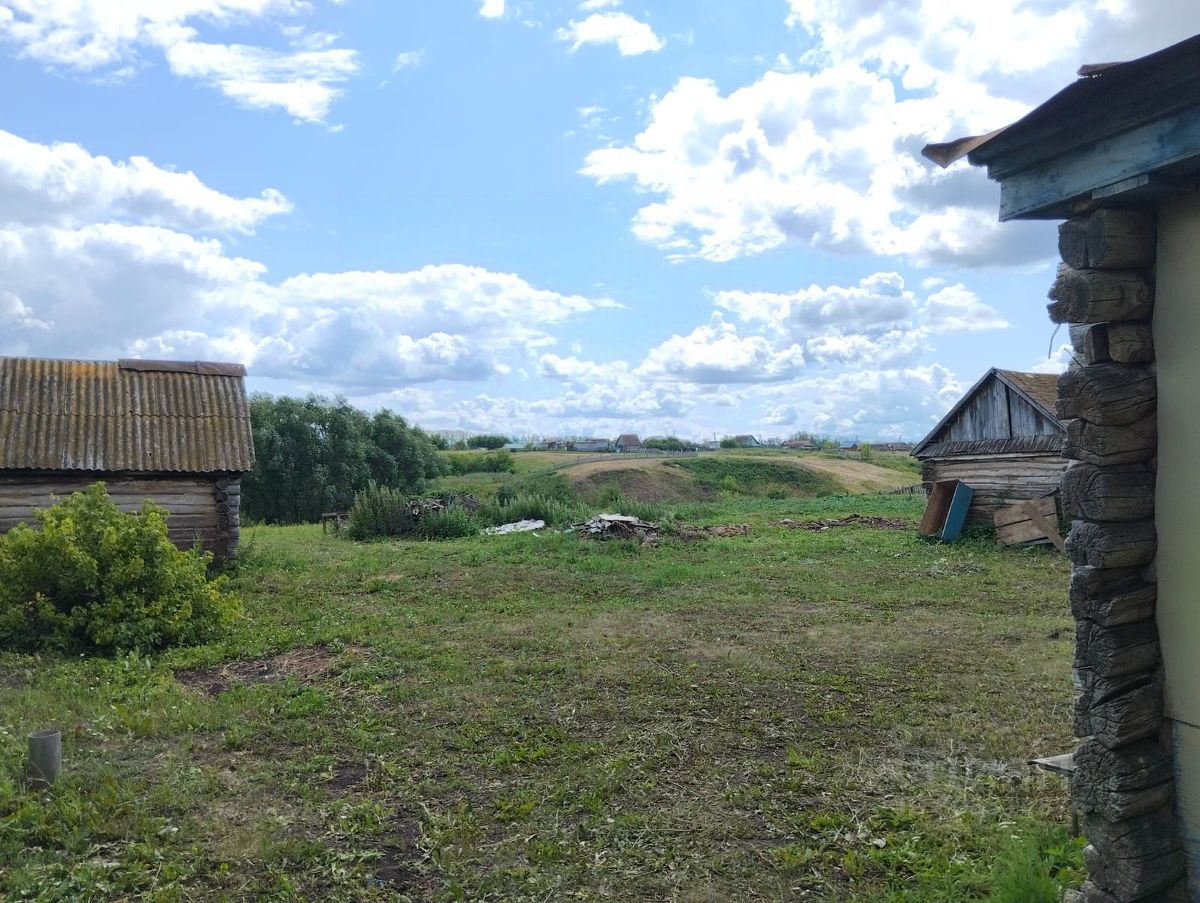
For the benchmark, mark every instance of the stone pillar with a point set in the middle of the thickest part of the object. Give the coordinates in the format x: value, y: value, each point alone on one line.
x: 228, y: 492
x: 1123, y: 785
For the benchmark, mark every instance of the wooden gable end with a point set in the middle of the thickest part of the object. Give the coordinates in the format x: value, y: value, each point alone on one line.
x: 994, y: 410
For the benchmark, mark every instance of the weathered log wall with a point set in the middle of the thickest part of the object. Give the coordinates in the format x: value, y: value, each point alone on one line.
x: 998, y: 480
x: 204, y: 508
x: 1124, y: 780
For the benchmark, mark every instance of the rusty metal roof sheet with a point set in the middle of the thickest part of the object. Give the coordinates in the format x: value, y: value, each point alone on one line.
x: 124, y: 416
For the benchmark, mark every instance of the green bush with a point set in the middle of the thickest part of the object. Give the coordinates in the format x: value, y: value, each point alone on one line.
x: 480, y: 462
x: 380, y: 511
x: 450, y: 523
x: 548, y: 485
x: 510, y: 509
x: 96, y: 579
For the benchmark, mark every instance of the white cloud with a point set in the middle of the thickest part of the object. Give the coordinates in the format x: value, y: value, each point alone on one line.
x: 98, y: 37
x: 492, y: 9
x: 301, y: 82
x: 592, y: 5
x: 409, y: 59
x: 957, y: 309
x: 96, y: 258
x: 1056, y: 362
x: 716, y: 354
x: 62, y: 184
x: 867, y: 403
x: 828, y: 156
x: 631, y: 36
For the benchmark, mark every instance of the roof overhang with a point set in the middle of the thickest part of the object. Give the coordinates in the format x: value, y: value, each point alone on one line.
x: 1123, y: 134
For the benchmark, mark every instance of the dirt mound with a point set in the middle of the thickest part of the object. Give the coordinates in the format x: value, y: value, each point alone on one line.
x: 300, y: 664
x: 642, y: 481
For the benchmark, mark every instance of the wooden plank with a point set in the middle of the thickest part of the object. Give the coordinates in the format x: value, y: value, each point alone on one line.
x: 936, y: 509
x: 1012, y: 514
x: 1046, y: 526
x: 1047, y: 190
x: 956, y: 517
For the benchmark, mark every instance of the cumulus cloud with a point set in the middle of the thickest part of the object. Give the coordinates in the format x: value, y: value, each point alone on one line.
x: 96, y: 36
x: 135, y: 280
x: 828, y: 155
x: 715, y: 353
x: 867, y: 403
x: 62, y: 184
x: 631, y: 36
x: 957, y: 309
x: 492, y: 9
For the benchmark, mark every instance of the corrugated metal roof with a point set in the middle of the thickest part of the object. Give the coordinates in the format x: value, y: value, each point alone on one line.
x: 107, y: 416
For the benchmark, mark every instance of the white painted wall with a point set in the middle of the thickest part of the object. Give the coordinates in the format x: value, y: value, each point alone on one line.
x: 1177, y: 513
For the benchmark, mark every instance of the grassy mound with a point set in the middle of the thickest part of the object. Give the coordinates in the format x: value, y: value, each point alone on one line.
x: 758, y: 477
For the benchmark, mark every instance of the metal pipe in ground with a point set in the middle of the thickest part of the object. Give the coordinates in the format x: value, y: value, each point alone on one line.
x: 45, y: 757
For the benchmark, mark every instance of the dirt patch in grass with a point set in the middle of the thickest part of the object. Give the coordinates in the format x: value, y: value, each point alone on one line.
x: 856, y: 476
x: 304, y: 665
x: 850, y: 520
x: 690, y: 533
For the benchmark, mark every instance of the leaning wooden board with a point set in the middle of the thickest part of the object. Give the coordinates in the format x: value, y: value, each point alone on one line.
x: 1029, y: 521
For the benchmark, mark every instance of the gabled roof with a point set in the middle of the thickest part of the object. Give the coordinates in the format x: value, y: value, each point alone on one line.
x: 124, y: 416
x: 628, y: 439
x: 1039, y: 389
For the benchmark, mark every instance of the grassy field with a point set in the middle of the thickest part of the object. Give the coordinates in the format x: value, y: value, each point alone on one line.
x: 836, y: 715
x: 755, y: 472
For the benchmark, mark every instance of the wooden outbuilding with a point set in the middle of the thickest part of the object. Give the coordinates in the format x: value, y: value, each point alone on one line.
x: 1116, y: 156
x: 174, y: 432
x: 1002, y: 438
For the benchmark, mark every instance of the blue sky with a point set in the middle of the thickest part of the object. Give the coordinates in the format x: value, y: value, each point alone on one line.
x: 538, y: 217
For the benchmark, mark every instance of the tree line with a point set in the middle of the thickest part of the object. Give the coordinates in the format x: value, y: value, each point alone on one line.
x: 313, y: 454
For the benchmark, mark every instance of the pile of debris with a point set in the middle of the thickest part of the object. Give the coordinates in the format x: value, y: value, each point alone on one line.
x: 617, y: 526
x: 850, y: 520
x: 521, y: 526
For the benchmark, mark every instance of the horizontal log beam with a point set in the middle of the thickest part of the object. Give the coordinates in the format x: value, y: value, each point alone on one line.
x: 1107, y: 394
x: 1097, y: 296
x: 1122, y: 493
x: 1108, y: 238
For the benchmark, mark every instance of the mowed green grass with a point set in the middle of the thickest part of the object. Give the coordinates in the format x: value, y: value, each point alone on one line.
x: 841, y: 715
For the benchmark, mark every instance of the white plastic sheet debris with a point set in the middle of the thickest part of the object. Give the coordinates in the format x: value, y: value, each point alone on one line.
x: 521, y: 526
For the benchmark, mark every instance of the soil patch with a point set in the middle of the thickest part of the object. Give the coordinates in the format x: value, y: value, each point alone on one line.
x: 689, y: 533
x: 850, y: 520
x: 303, y: 665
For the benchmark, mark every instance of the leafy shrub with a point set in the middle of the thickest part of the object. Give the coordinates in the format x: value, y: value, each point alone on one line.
x: 548, y: 485
x: 529, y: 507
x: 380, y: 511
x: 487, y: 441
x: 96, y: 579
x: 450, y: 523
x: 475, y: 462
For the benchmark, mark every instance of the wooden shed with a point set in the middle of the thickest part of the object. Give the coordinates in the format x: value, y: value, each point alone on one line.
x: 1002, y: 438
x: 175, y: 432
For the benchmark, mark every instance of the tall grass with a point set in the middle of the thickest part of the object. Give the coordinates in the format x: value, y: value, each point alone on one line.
x: 1037, y: 866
